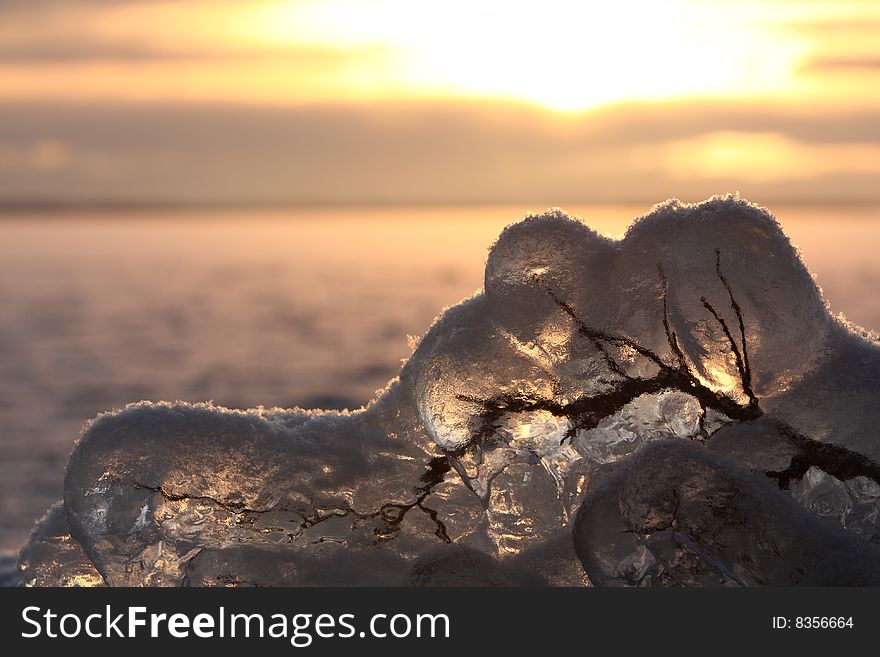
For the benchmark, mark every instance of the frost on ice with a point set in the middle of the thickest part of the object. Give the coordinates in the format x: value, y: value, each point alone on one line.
x: 673, y: 408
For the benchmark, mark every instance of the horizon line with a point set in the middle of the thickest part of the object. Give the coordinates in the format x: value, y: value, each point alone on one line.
x: 139, y: 204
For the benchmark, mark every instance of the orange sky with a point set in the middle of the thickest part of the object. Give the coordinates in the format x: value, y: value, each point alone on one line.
x: 401, y: 100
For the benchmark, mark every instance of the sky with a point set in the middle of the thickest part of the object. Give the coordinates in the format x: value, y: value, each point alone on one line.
x: 405, y: 101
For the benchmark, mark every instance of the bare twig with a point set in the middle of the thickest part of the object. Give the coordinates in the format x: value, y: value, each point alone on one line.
x: 587, y: 411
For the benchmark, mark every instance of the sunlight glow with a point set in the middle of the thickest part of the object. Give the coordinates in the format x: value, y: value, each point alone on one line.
x: 727, y: 153
x: 562, y: 55
x: 556, y: 54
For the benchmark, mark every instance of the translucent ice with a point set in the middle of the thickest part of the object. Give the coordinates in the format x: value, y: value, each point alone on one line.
x: 631, y: 412
x: 855, y: 503
x: 824, y: 494
x: 676, y: 514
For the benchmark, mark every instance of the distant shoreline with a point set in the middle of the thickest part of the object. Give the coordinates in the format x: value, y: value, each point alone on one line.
x: 107, y: 206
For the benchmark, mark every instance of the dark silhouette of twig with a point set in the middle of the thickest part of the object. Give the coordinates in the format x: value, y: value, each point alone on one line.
x: 671, y: 337
x: 586, y: 412
x: 747, y: 370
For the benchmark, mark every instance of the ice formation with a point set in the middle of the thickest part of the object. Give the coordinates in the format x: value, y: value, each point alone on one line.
x: 676, y: 407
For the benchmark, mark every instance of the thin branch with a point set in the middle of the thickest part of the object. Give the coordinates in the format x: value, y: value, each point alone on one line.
x: 747, y: 370
x: 586, y: 412
x: 593, y: 334
x: 671, y: 337
x: 753, y: 401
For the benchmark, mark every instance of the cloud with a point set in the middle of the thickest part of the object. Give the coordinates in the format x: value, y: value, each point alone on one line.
x: 301, y: 56
x: 438, y: 152
x: 858, y: 23
x: 40, y: 156
x: 821, y: 64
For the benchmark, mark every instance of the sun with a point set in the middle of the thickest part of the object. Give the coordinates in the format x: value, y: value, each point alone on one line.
x: 561, y: 55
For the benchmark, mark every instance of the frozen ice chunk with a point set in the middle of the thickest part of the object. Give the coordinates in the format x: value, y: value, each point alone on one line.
x: 824, y: 494
x: 451, y: 393
x: 676, y: 514
x: 457, y: 565
x: 864, y: 517
x: 668, y: 414
x: 53, y: 557
x: 690, y: 366
x: 855, y: 503
x: 762, y: 445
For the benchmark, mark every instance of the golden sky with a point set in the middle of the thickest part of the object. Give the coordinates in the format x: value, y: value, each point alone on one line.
x: 404, y: 100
